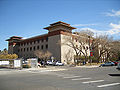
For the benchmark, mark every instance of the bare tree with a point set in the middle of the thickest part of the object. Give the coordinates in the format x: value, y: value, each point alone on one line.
x: 83, y: 43
x: 42, y: 55
x: 101, y: 46
x: 79, y: 42
x: 114, y: 49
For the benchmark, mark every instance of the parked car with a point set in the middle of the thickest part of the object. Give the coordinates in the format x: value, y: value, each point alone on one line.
x: 115, y: 62
x: 49, y: 62
x: 118, y: 66
x: 58, y: 63
x: 107, y: 64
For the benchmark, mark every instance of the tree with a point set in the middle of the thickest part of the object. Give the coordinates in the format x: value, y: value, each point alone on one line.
x: 4, y: 55
x: 14, y: 56
x: 79, y: 42
x: 42, y: 55
x: 83, y: 43
x: 103, y: 46
x: 8, y: 56
x: 115, y: 50
x: 5, y: 51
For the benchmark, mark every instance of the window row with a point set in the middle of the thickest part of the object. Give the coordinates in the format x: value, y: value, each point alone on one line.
x: 34, y: 42
x: 33, y: 48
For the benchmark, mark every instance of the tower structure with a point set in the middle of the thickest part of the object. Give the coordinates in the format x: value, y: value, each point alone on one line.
x: 13, y: 44
x: 57, y: 32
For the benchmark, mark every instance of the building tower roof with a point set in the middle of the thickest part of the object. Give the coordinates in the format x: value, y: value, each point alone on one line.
x: 59, y: 23
x: 14, y: 38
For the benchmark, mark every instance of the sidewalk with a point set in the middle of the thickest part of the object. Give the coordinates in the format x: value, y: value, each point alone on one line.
x: 92, y: 66
x: 45, y: 69
x: 33, y: 70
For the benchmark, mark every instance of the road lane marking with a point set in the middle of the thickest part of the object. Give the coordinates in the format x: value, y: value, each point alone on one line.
x: 93, y: 81
x: 106, y: 85
x: 64, y: 75
x: 80, y: 78
x: 71, y: 76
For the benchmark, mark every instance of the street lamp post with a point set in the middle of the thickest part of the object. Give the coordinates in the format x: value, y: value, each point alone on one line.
x: 90, y: 50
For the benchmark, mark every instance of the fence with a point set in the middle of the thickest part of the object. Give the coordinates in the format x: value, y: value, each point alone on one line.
x: 11, y: 63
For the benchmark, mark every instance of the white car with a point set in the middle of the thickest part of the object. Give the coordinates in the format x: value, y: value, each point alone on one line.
x: 118, y: 66
x: 49, y: 62
x: 58, y: 63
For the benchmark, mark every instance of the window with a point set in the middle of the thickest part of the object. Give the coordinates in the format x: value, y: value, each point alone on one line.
x: 24, y: 49
x: 76, y: 46
x: 42, y: 40
x: 30, y: 48
x: 34, y: 42
x: 9, y: 44
x: 76, y: 39
x: 83, y: 47
x: 27, y: 49
x: 46, y: 46
x: 38, y: 47
x: 42, y: 47
x: 47, y: 39
x: 38, y: 41
x: 34, y: 48
x: 87, y: 47
x: 21, y: 49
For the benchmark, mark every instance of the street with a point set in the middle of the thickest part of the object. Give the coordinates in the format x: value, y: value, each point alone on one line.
x: 72, y: 78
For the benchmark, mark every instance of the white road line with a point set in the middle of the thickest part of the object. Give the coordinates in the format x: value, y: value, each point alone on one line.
x: 72, y: 77
x: 106, y: 85
x: 80, y: 78
x: 63, y: 75
x: 93, y: 81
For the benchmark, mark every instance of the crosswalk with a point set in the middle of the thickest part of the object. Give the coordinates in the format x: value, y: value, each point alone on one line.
x: 80, y: 79
x: 84, y: 80
x: 93, y: 81
x: 72, y: 77
x: 87, y: 80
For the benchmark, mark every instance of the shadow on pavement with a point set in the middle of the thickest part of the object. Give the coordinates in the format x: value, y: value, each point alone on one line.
x: 114, y: 74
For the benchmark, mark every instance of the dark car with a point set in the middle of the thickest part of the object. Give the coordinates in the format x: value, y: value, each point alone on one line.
x: 107, y: 64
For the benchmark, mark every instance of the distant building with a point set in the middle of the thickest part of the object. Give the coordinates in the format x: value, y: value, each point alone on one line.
x: 56, y: 32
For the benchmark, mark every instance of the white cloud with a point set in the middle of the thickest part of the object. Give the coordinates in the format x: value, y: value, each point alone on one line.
x: 115, y: 30
x: 113, y: 13
x: 116, y: 26
x: 98, y: 32
x: 84, y: 24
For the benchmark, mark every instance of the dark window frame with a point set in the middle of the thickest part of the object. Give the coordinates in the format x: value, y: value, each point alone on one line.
x: 46, y: 46
x: 42, y: 47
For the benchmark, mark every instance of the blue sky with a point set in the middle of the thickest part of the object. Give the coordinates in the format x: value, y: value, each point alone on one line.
x: 27, y: 18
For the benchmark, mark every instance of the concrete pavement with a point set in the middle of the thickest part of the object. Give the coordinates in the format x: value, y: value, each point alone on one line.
x: 72, y: 78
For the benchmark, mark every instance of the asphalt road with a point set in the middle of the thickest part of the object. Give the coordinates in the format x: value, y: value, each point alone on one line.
x: 77, y: 78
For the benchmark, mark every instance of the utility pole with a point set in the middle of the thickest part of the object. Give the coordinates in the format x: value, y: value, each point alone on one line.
x: 90, y: 50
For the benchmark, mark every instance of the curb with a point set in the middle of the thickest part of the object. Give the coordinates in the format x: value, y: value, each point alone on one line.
x: 93, y: 66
